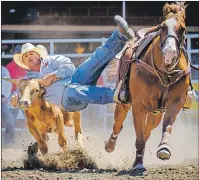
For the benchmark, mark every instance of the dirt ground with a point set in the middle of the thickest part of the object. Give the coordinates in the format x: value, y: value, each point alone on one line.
x: 95, y: 163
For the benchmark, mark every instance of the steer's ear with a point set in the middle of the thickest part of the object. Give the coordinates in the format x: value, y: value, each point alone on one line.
x: 14, y: 81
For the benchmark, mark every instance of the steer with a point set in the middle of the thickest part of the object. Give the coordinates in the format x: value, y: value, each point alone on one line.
x: 43, y: 117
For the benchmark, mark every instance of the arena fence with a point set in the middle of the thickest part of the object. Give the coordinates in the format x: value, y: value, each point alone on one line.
x: 106, y: 110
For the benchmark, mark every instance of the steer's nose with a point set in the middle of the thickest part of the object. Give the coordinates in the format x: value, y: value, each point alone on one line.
x: 23, y: 104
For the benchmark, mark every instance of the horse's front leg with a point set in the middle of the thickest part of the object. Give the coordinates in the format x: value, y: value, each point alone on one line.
x: 172, y: 109
x: 139, y: 117
x: 120, y: 114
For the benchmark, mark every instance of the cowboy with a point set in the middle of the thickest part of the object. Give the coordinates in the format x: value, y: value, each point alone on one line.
x: 71, y: 88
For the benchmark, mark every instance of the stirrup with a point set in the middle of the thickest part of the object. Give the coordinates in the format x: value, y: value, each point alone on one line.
x: 117, y: 92
x: 121, y: 96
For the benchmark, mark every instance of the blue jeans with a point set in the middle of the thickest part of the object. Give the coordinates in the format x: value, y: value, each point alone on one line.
x: 82, y: 90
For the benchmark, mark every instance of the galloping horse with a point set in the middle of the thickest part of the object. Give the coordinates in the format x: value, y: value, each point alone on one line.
x: 158, y: 82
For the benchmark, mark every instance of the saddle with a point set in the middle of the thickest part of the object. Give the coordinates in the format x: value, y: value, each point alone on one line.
x: 131, y: 51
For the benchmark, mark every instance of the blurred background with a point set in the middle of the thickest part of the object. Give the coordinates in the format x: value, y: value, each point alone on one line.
x: 76, y: 29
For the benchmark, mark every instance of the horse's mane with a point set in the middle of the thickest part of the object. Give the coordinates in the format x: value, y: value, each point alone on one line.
x: 174, y: 8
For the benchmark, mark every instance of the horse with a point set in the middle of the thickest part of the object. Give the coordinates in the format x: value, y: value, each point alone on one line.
x: 158, y: 82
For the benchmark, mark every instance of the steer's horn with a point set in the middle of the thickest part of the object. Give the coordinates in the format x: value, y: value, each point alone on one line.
x: 39, y: 81
x: 14, y: 81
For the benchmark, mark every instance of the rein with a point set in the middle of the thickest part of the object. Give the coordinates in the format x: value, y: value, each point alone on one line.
x: 166, y: 79
x: 195, y: 68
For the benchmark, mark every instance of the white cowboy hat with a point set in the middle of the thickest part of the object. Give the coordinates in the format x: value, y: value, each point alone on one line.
x: 40, y: 49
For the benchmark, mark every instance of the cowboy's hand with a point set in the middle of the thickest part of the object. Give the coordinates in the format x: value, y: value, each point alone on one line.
x: 14, y: 100
x: 48, y: 80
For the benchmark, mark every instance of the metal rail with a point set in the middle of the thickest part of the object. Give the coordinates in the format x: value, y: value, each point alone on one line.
x: 52, y: 42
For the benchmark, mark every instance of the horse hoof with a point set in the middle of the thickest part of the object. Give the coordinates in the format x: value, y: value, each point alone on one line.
x: 164, y: 152
x: 139, y: 168
x: 108, y: 148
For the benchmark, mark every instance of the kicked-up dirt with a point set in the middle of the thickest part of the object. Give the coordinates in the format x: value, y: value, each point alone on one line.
x: 53, y: 170
x: 94, y: 163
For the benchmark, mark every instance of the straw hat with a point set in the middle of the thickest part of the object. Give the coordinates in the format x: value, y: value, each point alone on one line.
x: 40, y: 49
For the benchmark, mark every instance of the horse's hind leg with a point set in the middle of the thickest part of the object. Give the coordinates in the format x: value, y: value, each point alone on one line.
x: 120, y: 114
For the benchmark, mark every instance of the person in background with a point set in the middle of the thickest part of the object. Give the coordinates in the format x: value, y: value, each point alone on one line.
x: 15, y: 70
x: 80, y: 48
x: 6, y: 110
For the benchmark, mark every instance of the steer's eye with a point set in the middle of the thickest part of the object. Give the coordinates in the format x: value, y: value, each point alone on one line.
x: 37, y: 90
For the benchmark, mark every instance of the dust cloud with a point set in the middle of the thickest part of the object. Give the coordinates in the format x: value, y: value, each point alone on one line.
x: 183, y: 141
